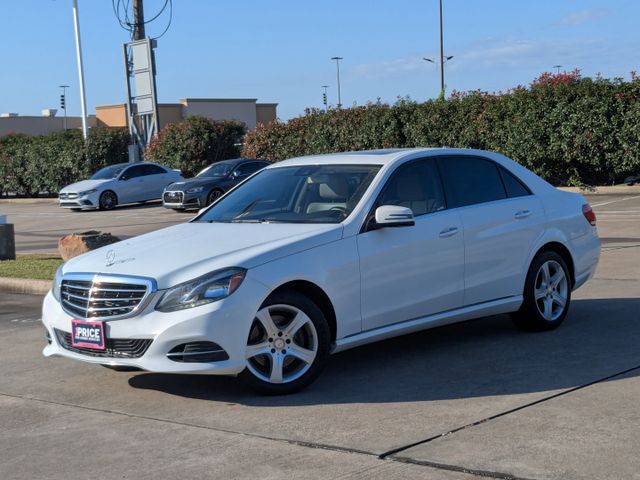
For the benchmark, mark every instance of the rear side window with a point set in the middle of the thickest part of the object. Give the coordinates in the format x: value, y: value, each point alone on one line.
x: 514, y: 187
x: 471, y: 180
x: 153, y: 170
x: 249, y: 168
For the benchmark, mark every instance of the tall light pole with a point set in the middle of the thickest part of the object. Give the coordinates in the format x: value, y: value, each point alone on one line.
x: 63, y: 103
x: 557, y: 67
x: 324, y: 98
x: 337, y: 59
x: 441, y: 55
x: 83, y: 100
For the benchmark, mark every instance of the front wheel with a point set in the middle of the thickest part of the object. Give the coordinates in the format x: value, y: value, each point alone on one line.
x: 213, y: 196
x: 547, y: 294
x: 288, y: 345
x: 108, y: 200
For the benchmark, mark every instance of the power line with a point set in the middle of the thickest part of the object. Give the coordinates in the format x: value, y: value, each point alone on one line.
x: 170, y: 20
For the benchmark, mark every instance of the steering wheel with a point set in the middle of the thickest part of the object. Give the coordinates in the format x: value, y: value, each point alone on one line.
x: 339, y: 208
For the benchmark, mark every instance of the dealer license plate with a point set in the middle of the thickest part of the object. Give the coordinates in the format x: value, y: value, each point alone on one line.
x: 87, y: 334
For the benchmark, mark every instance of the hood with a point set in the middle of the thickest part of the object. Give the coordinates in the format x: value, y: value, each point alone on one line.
x: 84, y: 185
x: 180, y: 253
x: 194, y: 182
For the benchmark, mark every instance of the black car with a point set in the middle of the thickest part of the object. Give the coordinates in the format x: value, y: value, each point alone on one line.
x: 210, y: 184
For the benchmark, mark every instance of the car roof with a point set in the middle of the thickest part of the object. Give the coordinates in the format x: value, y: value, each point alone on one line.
x: 377, y: 157
x: 238, y: 160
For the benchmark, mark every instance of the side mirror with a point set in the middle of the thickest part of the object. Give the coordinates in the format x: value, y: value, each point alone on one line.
x: 123, y: 179
x: 235, y: 174
x: 393, y: 216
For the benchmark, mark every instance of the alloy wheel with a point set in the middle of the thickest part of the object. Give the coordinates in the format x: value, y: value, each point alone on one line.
x: 283, y: 344
x: 551, y: 290
x: 213, y: 196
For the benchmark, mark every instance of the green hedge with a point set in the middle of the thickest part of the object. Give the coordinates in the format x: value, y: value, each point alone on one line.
x: 196, y: 142
x: 43, y: 164
x: 568, y: 129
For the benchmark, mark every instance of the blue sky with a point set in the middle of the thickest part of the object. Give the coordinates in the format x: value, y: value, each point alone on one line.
x: 279, y: 50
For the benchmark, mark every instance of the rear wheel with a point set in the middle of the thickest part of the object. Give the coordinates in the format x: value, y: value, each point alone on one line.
x: 288, y: 345
x: 547, y: 294
x: 108, y: 200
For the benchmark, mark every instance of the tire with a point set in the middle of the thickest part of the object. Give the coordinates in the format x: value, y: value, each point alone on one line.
x: 108, y: 200
x: 546, y: 303
x: 214, y: 195
x: 287, y: 346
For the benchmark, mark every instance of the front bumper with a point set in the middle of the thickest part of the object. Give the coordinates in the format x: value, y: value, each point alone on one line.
x: 225, y: 323
x: 73, y: 200
x: 183, y: 200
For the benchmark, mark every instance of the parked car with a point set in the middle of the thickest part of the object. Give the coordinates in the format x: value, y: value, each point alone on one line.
x: 210, y: 184
x: 315, y: 255
x: 117, y: 185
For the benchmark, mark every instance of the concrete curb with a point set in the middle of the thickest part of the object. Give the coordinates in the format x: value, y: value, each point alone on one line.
x: 24, y: 285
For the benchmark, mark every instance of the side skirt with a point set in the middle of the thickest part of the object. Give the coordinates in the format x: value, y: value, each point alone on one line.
x: 494, y: 307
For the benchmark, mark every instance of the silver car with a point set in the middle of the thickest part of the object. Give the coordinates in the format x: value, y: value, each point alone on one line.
x: 119, y: 184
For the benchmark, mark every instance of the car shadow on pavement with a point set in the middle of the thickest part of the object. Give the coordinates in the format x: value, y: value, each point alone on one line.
x: 484, y: 357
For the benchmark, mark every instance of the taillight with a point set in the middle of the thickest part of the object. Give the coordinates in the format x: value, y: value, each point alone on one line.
x: 589, y: 214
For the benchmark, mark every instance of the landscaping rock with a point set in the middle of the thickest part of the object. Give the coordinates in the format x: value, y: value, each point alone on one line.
x: 79, y: 243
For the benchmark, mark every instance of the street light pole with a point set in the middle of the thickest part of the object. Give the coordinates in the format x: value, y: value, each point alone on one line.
x: 557, y: 67
x: 64, y: 103
x: 441, y: 55
x: 83, y: 100
x: 337, y: 59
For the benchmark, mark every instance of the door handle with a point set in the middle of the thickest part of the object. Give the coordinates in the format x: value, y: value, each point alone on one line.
x: 448, y: 232
x: 522, y: 214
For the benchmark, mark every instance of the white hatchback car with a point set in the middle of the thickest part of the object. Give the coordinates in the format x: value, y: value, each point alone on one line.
x: 119, y: 184
x: 316, y: 255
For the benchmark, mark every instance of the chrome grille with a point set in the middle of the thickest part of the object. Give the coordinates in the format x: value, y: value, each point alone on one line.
x: 173, y: 197
x: 70, y: 196
x: 95, y: 297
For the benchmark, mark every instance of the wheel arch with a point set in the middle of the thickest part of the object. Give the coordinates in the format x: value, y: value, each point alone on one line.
x: 564, y: 252
x: 318, y: 296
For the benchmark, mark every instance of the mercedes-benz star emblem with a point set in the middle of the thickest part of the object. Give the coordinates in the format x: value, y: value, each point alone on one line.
x: 111, y: 257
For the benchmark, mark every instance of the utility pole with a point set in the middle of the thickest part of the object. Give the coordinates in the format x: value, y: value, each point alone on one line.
x: 557, y: 67
x: 83, y: 99
x: 324, y: 98
x: 138, y: 20
x: 63, y: 103
x: 337, y: 59
x: 441, y: 56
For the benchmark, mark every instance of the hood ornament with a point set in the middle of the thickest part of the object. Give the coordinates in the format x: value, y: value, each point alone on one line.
x: 111, y: 258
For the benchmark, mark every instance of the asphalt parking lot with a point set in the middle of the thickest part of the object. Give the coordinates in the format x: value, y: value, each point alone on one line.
x: 472, y: 400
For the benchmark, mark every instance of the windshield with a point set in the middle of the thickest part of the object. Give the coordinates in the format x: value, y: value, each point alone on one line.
x: 216, y: 170
x: 108, y: 173
x: 300, y: 194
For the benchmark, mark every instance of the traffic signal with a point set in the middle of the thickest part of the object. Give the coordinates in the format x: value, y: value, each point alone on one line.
x: 62, y: 105
x: 324, y: 98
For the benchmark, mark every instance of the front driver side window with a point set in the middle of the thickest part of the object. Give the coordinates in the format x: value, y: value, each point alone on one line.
x: 416, y: 186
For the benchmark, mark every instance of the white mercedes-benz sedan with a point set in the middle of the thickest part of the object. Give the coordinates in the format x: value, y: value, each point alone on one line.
x: 119, y: 184
x: 315, y: 255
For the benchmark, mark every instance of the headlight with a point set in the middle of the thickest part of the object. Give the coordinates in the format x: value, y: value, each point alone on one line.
x: 209, y: 288
x: 87, y: 192
x: 57, y: 283
x: 195, y: 190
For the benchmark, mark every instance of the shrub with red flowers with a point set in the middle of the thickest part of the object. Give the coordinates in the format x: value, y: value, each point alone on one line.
x: 194, y: 143
x: 569, y: 129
